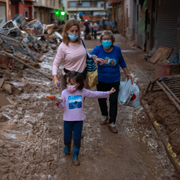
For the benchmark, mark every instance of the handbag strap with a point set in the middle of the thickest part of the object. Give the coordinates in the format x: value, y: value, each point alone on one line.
x: 91, y: 65
x: 84, y: 46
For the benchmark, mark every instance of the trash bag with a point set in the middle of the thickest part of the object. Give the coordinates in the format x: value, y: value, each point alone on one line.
x: 92, y: 79
x: 125, y: 92
x: 135, y: 99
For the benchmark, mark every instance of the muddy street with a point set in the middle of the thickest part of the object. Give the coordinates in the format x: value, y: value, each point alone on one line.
x: 31, y: 132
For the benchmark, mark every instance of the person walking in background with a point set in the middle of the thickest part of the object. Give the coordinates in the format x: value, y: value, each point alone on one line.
x: 91, y: 28
x: 87, y: 28
x: 73, y: 102
x: 95, y: 29
x: 109, y: 76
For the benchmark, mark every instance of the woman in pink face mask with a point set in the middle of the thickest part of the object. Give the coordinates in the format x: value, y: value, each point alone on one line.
x: 73, y: 102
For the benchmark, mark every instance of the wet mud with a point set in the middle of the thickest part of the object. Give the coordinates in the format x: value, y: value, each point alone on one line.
x: 166, y: 114
x: 31, y: 137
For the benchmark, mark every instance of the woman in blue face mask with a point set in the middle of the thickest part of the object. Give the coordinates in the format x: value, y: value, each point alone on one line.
x: 71, y: 52
x: 109, y: 60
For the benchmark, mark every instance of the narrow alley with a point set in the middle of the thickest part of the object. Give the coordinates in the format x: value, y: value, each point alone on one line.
x: 31, y: 132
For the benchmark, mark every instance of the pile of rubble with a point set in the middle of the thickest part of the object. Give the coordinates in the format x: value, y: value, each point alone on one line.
x: 23, y: 42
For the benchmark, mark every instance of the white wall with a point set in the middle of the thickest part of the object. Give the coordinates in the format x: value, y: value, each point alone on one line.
x: 130, y: 15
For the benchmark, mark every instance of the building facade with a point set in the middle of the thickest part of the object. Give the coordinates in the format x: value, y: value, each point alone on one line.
x: 149, y: 23
x: 23, y: 7
x: 88, y: 9
x: 48, y: 11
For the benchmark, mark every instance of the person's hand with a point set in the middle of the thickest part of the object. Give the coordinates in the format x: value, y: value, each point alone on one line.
x: 100, y: 61
x: 128, y: 76
x: 55, y: 100
x: 112, y: 91
x: 56, y: 83
x: 94, y: 57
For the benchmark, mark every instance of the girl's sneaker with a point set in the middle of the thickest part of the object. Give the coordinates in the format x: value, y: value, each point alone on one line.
x: 76, y: 162
x: 67, y: 149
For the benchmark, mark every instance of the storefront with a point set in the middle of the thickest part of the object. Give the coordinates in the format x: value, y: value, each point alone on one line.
x: 167, y: 23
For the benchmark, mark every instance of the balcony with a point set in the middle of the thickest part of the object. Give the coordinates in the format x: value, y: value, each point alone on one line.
x: 74, y: 6
x: 112, y: 2
x: 51, y: 4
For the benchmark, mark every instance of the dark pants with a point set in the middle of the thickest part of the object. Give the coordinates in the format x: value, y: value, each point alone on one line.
x: 113, y: 99
x: 95, y: 34
x: 87, y: 31
x: 76, y: 128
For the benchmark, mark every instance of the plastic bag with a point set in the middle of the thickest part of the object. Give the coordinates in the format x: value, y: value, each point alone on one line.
x: 135, y: 100
x: 92, y: 79
x: 125, y: 92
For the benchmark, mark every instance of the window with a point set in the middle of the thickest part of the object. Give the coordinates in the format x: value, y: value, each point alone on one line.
x: 72, y: 4
x: 100, y: 4
x: 85, y: 4
x: 26, y: 14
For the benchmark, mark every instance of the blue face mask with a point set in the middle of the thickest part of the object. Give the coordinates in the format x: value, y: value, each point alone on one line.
x: 106, y: 44
x: 73, y: 37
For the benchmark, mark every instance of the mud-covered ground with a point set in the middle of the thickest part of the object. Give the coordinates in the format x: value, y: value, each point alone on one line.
x: 31, y: 132
x: 167, y: 115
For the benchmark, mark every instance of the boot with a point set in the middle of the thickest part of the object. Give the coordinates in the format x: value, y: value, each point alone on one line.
x: 67, y: 149
x: 75, y: 156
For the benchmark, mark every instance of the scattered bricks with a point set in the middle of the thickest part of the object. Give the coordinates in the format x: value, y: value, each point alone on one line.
x: 7, y: 88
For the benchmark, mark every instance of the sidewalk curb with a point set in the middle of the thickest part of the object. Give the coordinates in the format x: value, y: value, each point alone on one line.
x: 171, y: 154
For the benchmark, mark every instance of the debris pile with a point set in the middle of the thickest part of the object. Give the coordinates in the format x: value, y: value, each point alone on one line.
x: 23, y: 43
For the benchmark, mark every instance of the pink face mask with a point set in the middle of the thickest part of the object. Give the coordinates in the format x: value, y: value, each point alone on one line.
x: 71, y: 89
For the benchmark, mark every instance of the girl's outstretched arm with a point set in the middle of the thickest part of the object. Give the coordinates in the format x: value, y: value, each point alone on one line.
x: 96, y: 94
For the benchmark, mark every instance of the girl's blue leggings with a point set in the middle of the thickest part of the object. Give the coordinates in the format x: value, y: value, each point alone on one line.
x: 76, y: 128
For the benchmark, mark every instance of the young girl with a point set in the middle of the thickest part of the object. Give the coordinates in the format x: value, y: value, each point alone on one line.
x: 73, y: 100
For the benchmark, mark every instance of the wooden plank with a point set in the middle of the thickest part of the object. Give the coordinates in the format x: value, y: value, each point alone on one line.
x: 17, y: 59
x: 1, y: 82
x: 37, y: 56
x: 161, y: 54
x: 156, y: 56
x: 166, y: 53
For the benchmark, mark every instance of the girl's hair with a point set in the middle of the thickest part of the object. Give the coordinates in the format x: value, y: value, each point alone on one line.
x: 109, y: 33
x: 68, y: 25
x: 78, y: 77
